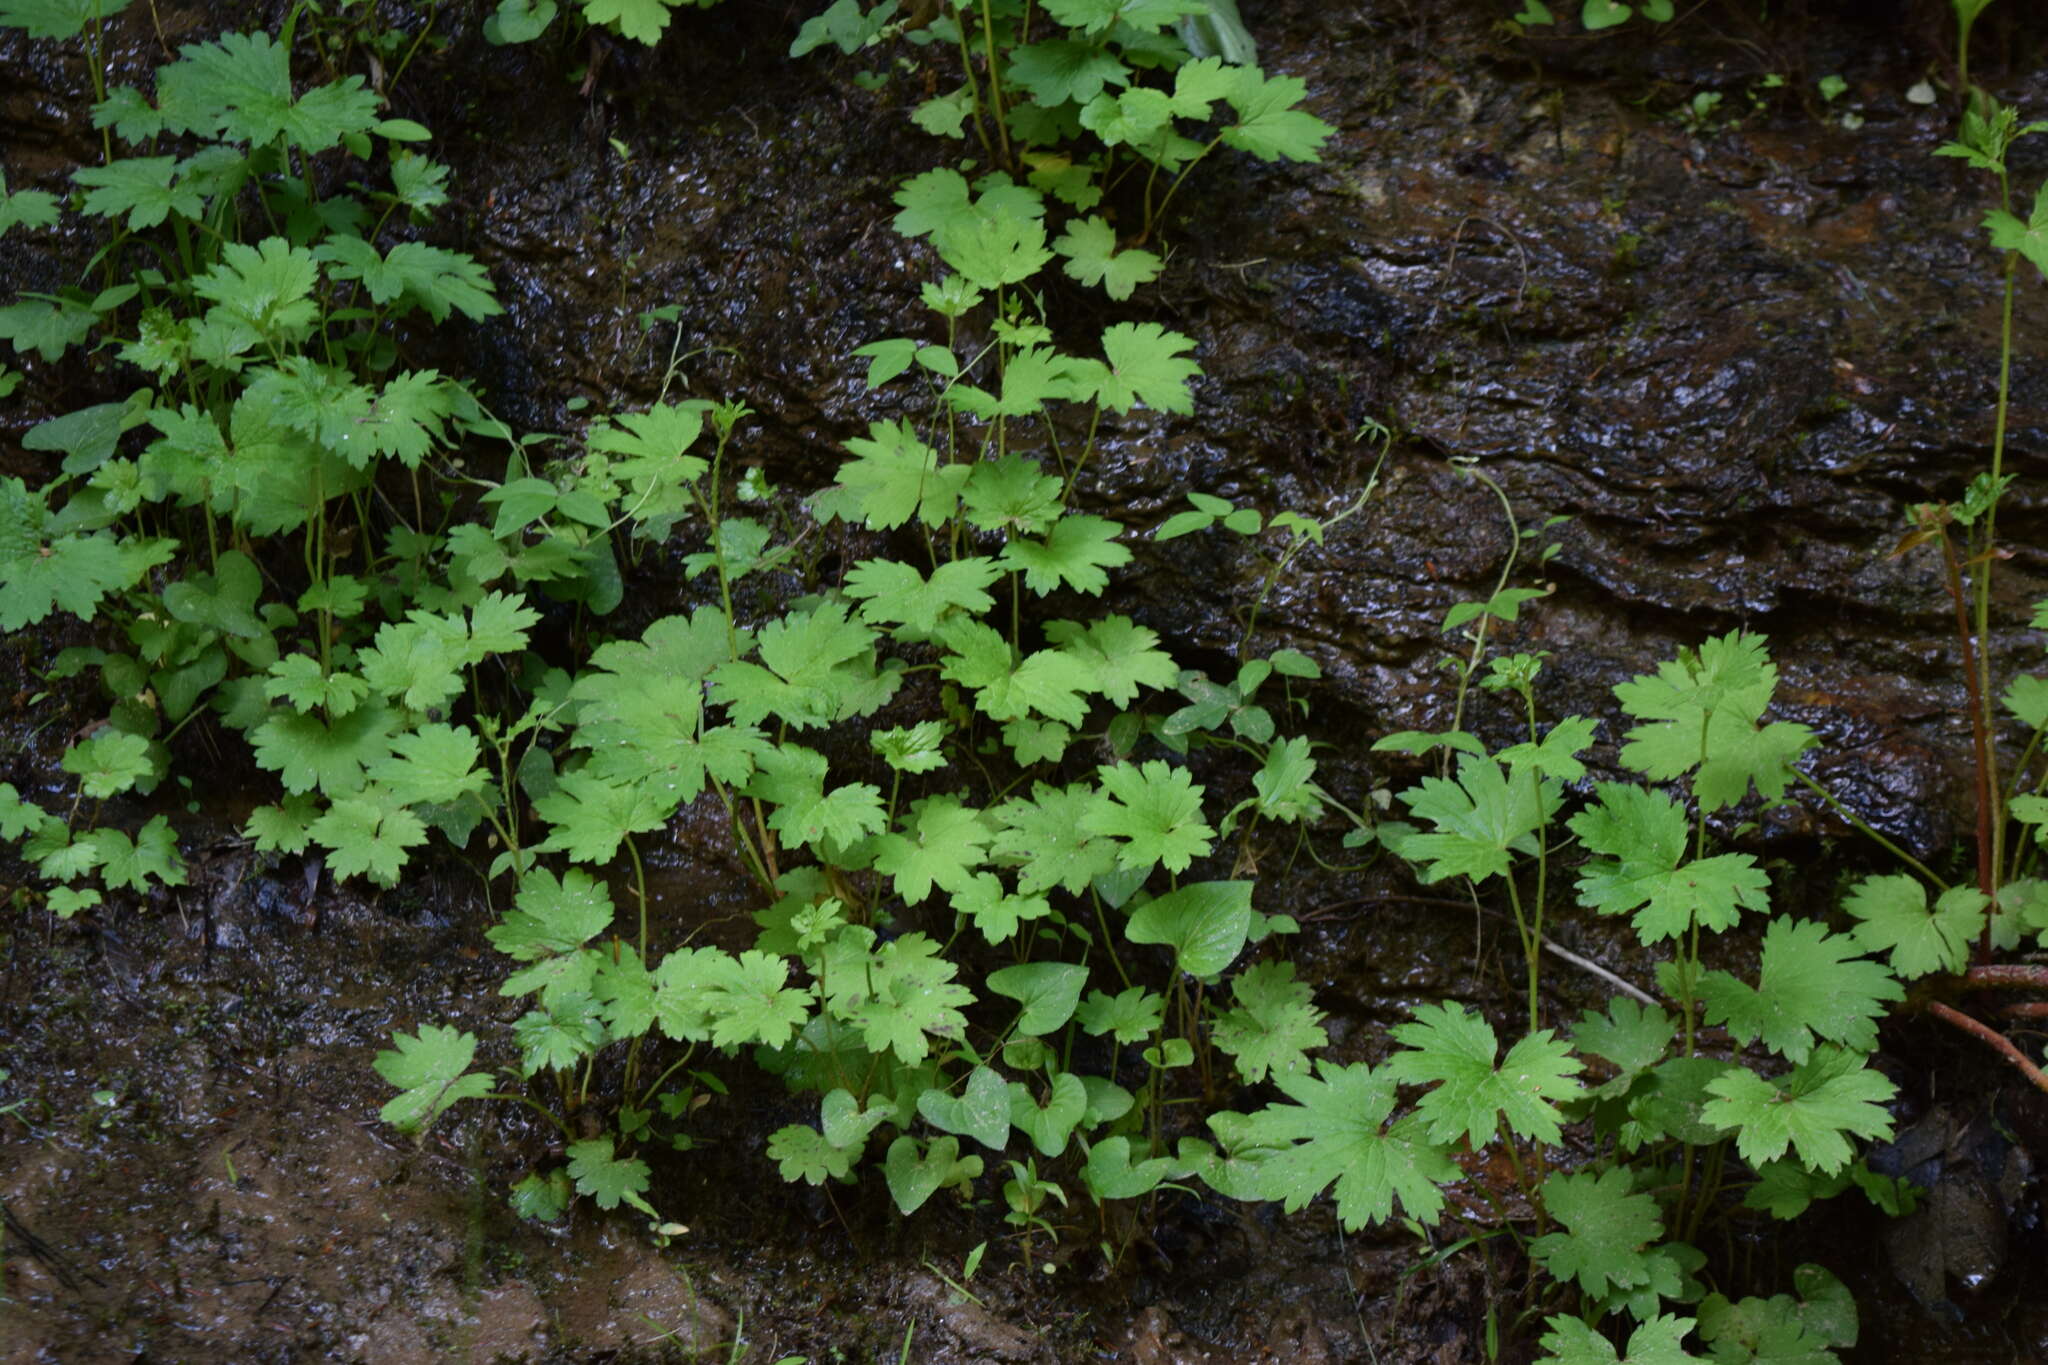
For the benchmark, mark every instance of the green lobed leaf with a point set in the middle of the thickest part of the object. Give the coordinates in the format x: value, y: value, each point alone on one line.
x: 1335, y: 1131
x: 1153, y: 812
x: 552, y: 915
x: 1643, y: 835
x: 431, y: 1067
x: 1657, y: 1341
x: 1811, y: 985
x: 1145, y: 365
x: 1894, y: 917
x: 1828, y: 1097
x: 1090, y: 248
x: 602, y: 1174
x: 1480, y: 819
x: 1076, y: 554
x: 1607, y: 1229
x: 943, y: 842
x: 1268, y: 125
x: 1274, y: 1025
x: 1455, y: 1049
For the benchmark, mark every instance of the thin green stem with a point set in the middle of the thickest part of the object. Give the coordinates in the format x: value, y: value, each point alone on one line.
x: 640, y: 891
x: 1861, y: 826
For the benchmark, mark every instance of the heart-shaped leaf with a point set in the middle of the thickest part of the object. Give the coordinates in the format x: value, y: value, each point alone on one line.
x: 1205, y: 923
x: 1047, y: 990
x: 982, y: 1112
x: 845, y: 1123
x: 1111, y: 1175
x: 1049, y: 1126
x: 915, y: 1176
x: 1599, y: 14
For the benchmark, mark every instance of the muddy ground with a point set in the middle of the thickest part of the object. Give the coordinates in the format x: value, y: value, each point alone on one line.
x: 1731, y: 355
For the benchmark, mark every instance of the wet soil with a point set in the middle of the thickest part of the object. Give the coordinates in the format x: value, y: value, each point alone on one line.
x: 1731, y: 356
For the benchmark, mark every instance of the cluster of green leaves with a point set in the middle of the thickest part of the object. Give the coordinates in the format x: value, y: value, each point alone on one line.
x: 1073, y: 857
x: 1793, y: 1091
x: 1595, y: 15
x: 1149, y: 87
x: 273, y: 399
x: 643, y: 21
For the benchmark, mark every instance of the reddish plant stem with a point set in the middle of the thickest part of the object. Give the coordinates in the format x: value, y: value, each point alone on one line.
x: 1992, y: 1038
x: 2007, y: 976
x: 2031, y: 1009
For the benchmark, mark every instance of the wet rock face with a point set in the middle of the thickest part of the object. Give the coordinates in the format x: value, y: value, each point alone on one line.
x: 1732, y: 359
